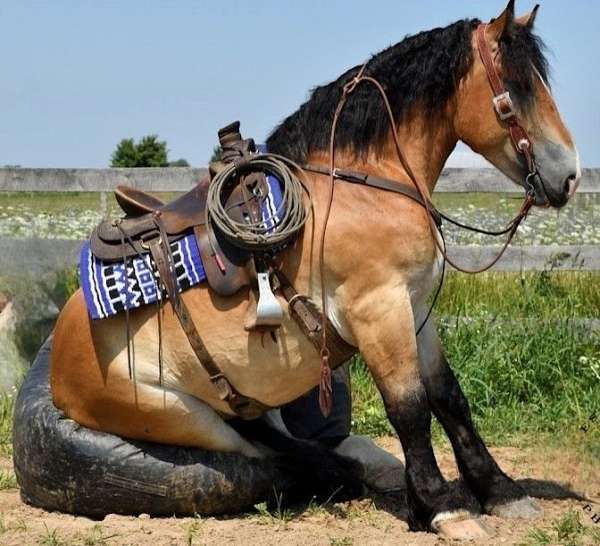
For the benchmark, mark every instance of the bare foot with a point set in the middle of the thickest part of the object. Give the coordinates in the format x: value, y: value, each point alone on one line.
x: 460, y: 526
x: 524, y: 508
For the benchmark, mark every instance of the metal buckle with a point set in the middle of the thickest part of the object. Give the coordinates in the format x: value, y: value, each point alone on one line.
x: 524, y: 144
x: 497, y: 100
x: 530, y: 187
x: 145, y: 243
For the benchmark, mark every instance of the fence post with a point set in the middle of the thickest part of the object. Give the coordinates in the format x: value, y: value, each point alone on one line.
x: 103, y: 205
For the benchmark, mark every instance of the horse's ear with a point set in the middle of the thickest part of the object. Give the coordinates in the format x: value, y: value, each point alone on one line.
x: 500, y: 25
x: 528, y: 19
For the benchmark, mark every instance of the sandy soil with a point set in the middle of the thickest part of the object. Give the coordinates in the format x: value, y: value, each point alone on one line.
x: 558, y: 477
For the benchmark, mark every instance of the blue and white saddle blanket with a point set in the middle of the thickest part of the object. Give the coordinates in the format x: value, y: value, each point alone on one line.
x: 109, y: 289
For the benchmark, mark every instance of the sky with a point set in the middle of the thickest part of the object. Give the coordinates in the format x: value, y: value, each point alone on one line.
x: 78, y: 76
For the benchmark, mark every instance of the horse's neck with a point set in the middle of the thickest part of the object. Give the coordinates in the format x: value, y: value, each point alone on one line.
x: 363, y: 220
x: 426, y: 146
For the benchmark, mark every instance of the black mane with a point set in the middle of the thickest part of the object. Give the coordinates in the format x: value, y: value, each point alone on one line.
x: 422, y: 70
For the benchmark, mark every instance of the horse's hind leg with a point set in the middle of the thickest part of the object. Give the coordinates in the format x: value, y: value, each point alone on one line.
x: 101, y: 396
x: 156, y: 414
x: 383, y: 325
x: 498, y: 494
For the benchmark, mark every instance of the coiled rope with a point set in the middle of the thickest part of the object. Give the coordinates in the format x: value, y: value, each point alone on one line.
x: 274, y: 230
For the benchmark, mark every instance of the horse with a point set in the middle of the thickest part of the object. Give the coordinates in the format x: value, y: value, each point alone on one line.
x: 380, y: 265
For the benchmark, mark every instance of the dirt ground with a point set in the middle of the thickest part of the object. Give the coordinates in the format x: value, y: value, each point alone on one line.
x: 559, y: 478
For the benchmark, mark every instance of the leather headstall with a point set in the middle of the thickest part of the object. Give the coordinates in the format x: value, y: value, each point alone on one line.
x: 504, y: 106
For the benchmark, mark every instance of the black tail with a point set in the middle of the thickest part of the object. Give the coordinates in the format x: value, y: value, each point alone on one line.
x: 315, y: 470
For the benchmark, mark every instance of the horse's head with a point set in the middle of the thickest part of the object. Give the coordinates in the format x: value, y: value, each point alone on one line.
x: 519, y: 61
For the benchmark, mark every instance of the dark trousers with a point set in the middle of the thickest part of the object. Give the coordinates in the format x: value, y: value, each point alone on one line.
x: 303, y: 417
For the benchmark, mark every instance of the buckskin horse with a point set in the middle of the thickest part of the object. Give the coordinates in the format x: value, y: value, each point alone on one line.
x: 380, y: 265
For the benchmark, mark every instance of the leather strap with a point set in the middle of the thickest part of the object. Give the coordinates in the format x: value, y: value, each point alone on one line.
x: 224, y: 276
x: 488, y: 61
x: 502, y: 102
x: 308, y: 317
x: 385, y: 184
x: 244, y: 406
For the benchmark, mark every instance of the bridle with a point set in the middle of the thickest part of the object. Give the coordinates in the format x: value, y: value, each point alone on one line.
x: 505, y: 108
x: 522, y: 143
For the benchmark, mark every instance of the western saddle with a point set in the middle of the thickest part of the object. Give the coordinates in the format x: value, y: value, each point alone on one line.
x: 149, y: 226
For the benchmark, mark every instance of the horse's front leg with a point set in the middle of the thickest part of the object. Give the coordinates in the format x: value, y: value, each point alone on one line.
x: 383, y: 325
x: 498, y: 494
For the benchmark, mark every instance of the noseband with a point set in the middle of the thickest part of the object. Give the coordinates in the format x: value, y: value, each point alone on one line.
x: 522, y: 143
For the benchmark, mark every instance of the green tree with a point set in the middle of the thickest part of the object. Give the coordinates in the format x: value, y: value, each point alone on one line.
x: 125, y: 155
x: 152, y: 152
x: 216, y: 154
x: 149, y: 151
x: 179, y: 163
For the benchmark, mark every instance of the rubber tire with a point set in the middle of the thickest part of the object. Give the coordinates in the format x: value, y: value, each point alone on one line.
x: 63, y: 466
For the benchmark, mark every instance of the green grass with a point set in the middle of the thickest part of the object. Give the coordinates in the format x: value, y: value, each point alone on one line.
x: 6, y: 411
x: 525, y: 367
x: 31, y: 299
x: 341, y: 541
x: 7, y: 480
x: 570, y: 530
x: 51, y: 538
x: 96, y: 537
x: 193, y: 532
x: 548, y: 295
x: 368, y: 413
x: 64, y: 284
x: 55, y: 201
x: 449, y: 201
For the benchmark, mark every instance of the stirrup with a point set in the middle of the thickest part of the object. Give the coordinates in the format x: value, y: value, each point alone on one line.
x: 268, y: 310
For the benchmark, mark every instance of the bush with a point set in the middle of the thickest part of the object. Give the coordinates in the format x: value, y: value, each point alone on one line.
x: 148, y: 152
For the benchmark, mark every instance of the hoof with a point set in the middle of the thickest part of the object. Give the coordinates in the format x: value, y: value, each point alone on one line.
x: 460, y: 526
x: 524, y: 508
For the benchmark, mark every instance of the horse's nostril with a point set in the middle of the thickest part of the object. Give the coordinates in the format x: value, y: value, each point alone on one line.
x: 571, y: 184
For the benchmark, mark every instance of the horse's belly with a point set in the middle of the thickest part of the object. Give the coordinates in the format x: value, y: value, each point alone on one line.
x: 273, y: 370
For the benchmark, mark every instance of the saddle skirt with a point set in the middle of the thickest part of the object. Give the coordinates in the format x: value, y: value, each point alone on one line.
x: 111, y: 286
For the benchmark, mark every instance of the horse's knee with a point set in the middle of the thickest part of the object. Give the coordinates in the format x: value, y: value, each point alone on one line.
x: 443, y: 390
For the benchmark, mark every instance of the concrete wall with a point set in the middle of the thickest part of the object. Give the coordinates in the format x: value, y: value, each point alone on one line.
x: 183, y: 178
x: 168, y: 179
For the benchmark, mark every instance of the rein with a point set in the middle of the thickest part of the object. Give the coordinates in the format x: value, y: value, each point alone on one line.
x: 522, y: 143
